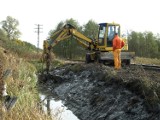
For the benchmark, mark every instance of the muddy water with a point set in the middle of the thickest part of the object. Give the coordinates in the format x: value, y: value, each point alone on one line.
x: 56, y: 108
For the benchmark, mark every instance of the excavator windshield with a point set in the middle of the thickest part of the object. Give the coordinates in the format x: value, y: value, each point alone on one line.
x: 106, y: 34
x: 101, y: 37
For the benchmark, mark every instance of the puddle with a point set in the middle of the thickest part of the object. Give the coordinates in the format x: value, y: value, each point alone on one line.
x: 56, y: 109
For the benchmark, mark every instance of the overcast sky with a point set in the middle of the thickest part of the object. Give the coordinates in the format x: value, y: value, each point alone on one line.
x: 138, y: 15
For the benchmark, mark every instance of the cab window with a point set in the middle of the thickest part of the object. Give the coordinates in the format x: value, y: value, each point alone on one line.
x: 101, y: 37
x: 112, y: 29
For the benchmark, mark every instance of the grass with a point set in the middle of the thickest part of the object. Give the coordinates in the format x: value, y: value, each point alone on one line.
x: 22, y: 83
x: 40, y: 66
x: 151, y: 61
x: 24, y: 61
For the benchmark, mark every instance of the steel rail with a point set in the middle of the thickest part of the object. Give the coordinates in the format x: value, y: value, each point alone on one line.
x: 149, y: 67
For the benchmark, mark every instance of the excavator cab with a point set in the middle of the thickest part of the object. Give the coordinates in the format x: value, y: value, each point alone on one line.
x: 104, y: 43
x: 106, y: 35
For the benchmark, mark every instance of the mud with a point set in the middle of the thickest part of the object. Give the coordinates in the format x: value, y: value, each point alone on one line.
x: 98, y: 92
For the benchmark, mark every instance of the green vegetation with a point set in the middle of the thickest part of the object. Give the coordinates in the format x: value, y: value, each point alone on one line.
x: 150, y: 61
x: 10, y: 28
x: 15, y: 55
x: 9, y: 39
x: 70, y: 49
x: 22, y: 83
x: 21, y: 48
x: 41, y: 66
x: 24, y: 87
x: 144, y: 44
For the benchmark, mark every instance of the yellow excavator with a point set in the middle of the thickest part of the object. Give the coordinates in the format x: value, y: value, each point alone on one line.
x: 98, y: 50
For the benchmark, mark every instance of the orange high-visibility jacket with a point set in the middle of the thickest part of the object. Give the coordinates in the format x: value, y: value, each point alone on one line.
x: 118, y: 43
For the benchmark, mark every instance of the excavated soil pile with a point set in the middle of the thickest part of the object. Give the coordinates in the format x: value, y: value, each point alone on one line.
x: 98, y: 92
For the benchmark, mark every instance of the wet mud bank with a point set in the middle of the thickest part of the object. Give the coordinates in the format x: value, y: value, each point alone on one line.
x: 98, y: 92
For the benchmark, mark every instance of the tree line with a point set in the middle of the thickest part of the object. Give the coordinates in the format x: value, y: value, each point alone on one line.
x: 9, y: 38
x: 70, y: 48
x: 144, y: 44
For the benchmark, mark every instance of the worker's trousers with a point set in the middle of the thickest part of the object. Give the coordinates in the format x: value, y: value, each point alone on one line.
x: 117, y: 58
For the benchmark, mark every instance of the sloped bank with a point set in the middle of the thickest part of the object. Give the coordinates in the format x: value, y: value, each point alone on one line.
x: 98, y: 92
x: 21, y: 82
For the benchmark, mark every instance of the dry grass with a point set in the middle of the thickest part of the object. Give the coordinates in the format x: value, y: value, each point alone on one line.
x: 151, y: 61
x: 22, y: 83
x: 28, y: 113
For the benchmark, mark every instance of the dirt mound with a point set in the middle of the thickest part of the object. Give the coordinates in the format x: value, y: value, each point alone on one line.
x: 98, y: 92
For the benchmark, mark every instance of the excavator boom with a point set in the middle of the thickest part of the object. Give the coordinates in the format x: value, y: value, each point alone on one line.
x: 66, y: 32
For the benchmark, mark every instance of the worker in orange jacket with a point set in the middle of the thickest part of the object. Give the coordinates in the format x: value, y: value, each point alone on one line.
x: 118, y: 43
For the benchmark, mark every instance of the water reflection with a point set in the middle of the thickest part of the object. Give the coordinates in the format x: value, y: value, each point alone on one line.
x: 55, y: 108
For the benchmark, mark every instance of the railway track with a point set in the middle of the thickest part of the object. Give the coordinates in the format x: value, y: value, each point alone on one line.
x: 148, y: 67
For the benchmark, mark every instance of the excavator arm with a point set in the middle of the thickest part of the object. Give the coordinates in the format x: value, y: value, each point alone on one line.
x: 66, y: 32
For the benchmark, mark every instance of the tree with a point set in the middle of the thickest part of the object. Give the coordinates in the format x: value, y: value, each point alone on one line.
x: 2, y: 35
x: 58, y: 27
x: 158, y: 43
x: 144, y: 44
x: 133, y: 42
x: 72, y: 46
x: 10, y: 27
x: 68, y: 48
x: 91, y: 29
x: 152, y: 46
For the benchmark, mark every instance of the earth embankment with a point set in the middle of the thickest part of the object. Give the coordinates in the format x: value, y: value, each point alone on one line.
x: 98, y: 92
